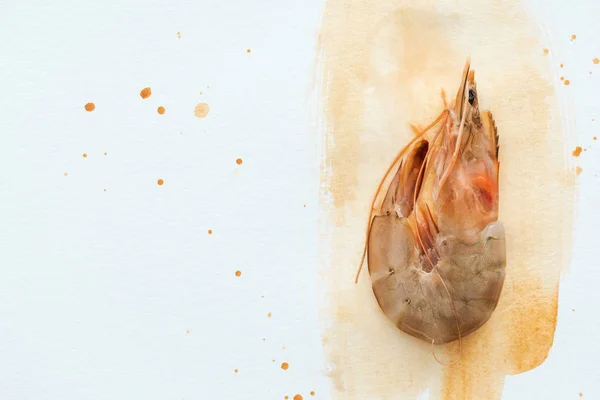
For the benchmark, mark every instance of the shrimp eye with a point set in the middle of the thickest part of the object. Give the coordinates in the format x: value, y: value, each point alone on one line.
x: 471, y: 96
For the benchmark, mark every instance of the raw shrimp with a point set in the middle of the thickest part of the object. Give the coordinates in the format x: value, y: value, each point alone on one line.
x: 436, y: 250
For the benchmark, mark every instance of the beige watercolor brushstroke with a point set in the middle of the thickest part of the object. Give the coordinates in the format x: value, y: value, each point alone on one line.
x: 382, y: 66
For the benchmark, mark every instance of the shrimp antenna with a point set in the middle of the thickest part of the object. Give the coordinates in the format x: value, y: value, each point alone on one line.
x: 387, y: 173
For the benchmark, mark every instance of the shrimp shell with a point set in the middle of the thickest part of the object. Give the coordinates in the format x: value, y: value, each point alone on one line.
x: 436, y: 250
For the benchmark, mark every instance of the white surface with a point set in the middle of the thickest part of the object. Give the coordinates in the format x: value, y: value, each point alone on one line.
x: 97, y: 289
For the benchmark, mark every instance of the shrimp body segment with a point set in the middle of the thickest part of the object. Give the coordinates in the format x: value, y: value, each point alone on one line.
x: 436, y: 250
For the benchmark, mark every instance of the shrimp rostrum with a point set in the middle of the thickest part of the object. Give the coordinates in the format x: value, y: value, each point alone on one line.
x: 435, y: 248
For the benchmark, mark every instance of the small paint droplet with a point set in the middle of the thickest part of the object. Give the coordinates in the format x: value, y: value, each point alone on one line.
x: 596, y: 60
x: 572, y: 309
x: 66, y: 174
x: 580, y: 394
x: 269, y: 315
x: 238, y: 273
x: 312, y: 393
x: 298, y: 397
x: 84, y: 155
x: 562, y: 78
x: 248, y: 51
x: 201, y: 110
x: 285, y: 397
x: 592, y: 138
x: 567, y: 82
x: 264, y: 339
x: 578, y: 170
x: 179, y: 35
x: 145, y: 93
x: 105, y: 153
x: 561, y: 65
x: 105, y: 190
x: 546, y: 51
x: 160, y: 182
x: 187, y: 331
x: 89, y: 107
x: 235, y: 370
x: 262, y: 297
x: 285, y: 366
x: 573, y: 37
x: 577, y: 151
x: 210, y: 231
x: 584, y: 149
x: 304, y: 206
x: 161, y: 110
x: 238, y: 161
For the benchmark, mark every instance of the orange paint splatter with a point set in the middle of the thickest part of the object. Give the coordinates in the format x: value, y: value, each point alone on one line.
x: 145, y: 93
x: 285, y: 366
x: 298, y: 397
x: 235, y: 370
x: 567, y: 82
x: 546, y: 51
x: 561, y: 65
x: 577, y: 151
x: 596, y: 60
x: 161, y: 110
x: 248, y: 51
x: 238, y: 273
x: 269, y: 315
x: 201, y: 110
x: 592, y: 138
x: 573, y: 37
x: 210, y: 231
x: 312, y: 393
x: 562, y: 78
x: 89, y: 107
x: 580, y: 394
x: 84, y: 155
x: 160, y: 182
x: 578, y: 170
x: 238, y: 161
x: 285, y: 397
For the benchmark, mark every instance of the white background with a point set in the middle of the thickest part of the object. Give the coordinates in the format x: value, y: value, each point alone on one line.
x: 98, y: 289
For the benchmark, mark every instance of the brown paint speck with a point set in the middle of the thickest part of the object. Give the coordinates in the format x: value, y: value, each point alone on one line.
x: 145, y: 93
x: 105, y: 190
x: 561, y: 65
x: 594, y: 138
x: 269, y: 315
x: 89, y: 107
x: 562, y: 78
x: 160, y: 182
x: 580, y: 394
x: 238, y: 273
x: 238, y: 161
x: 567, y: 82
x: 285, y: 397
x: 105, y: 153
x: 298, y: 397
x: 187, y: 331
x: 546, y: 51
x: 285, y: 366
x: 577, y: 151
x: 161, y: 110
x: 578, y: 170
x: 596, y: 60
x: 178, y: 35
x: 201, y: 110
x: 573, y: 37
x: 210, y: 231
x: 312, y: 393
x: 66, y: 174
x: 248, y: 51
x: 84, y: 155
x: 235, y: 370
